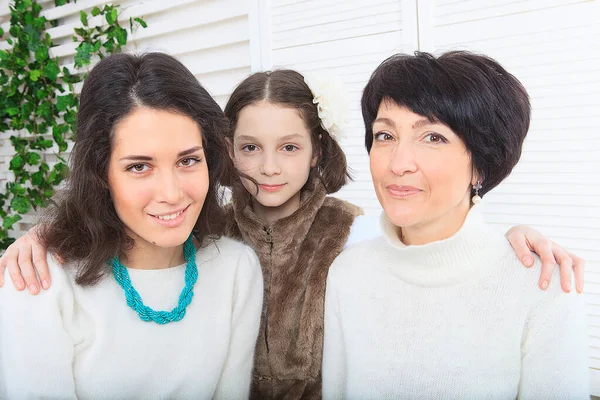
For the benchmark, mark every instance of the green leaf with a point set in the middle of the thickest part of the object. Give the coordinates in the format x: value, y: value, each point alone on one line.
x: 83, y: 17
x: 62, y: 102
x: 84, y: 54
x: 14, y: 31
x: 41, y: 144
x: 18, y: 190
x: 121, y: 36
x: 32, y: 158
x: 45, y: 109
x: 111, y: 16
x: 20, y: 204
x: 4, y: 55
x: 17, y: 163
x: 35, y: 74
x: 26, y: 109
x: 95, y: 11
x: 59, y: 172
x: 141, y: 22
x: 60, y: 2
x: 51, y: 70
x: 10, y: 221
x: 41, y: 94
x: 37, y: 178
x: 18, y: 143
x: 41, y: 54
x: 39, y: 22
x: 12, y: 111
x: 1, y: 32
x: 81, y: 32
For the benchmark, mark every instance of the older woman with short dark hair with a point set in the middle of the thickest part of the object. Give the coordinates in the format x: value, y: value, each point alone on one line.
x: 440, y: 307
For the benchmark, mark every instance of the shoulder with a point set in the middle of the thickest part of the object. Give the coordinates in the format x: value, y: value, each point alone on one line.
x: 230, y: 254
x: 61, y: 288
x: 354, y: 260
x: 511, y: 275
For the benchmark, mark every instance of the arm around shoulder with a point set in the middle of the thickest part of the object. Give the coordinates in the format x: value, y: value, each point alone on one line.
x: 36, y: 351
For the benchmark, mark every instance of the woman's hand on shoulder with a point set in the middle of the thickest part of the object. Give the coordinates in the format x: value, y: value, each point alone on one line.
x: 26, y: 262
x: 525, y: 239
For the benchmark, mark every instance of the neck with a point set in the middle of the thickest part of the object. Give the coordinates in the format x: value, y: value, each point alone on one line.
x: 144, y: 255
x: 271, y: 214
x: 438, y: 229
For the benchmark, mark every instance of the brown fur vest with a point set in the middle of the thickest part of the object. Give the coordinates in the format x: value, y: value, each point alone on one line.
x: 295, y: 253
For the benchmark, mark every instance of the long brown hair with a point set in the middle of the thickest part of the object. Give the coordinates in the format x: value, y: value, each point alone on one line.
x: 287, y: 88
x: 83, y: 226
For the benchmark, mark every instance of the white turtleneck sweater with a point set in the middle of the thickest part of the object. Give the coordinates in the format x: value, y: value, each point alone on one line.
x: 85, y: 342
x: 459, y: 318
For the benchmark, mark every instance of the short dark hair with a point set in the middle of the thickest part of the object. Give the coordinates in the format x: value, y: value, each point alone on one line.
x: 83, y: 225
x: 486, y: 106
x: 287, y: 88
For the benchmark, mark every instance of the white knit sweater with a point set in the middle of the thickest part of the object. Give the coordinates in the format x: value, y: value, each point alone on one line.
x: 459, y: 318
x: 85, y: 342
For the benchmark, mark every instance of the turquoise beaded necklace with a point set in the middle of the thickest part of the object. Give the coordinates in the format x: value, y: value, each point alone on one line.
x: 185, y: 298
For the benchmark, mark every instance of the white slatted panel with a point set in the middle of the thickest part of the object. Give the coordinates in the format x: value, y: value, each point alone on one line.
x: 553, y: 47
x: 211, y: 37
x: 345, y: 38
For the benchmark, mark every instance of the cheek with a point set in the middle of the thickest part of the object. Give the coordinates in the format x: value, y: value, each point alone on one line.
x: 196, y: 184
x: 378, y: 163
x: 244, y: 163
x: 129, y: 195
x: 449, y: 175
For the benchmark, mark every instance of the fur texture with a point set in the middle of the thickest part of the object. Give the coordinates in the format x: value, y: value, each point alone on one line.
x: 295, y: 263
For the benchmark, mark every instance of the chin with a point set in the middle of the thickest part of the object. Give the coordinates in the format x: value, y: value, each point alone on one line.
x: 168, y: 238
x: 267, y: 201
x: 402, y: 217
x: 169, y: 241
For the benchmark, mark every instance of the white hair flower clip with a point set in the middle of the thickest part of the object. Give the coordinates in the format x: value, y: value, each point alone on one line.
x: 331, y: 99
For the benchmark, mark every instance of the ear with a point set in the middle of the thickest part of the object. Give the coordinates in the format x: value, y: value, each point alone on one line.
x: 230, y: 148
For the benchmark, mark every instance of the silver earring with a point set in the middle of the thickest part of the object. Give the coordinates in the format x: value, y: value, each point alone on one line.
x: 476, y: 199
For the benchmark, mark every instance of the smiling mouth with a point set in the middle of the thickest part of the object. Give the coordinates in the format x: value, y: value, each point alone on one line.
x: 402, y: 192
x: 271, y: 188
x: 169, y: 217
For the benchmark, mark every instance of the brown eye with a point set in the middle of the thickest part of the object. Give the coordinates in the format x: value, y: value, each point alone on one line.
x: 138, y: 168
x: 290, y: 147
x: 383, y: 136
x: 435, y: 138
x: 249, y: 148
x: 188, y: 162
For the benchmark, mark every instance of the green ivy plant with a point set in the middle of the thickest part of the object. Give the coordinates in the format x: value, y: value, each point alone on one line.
x: 38, y: 106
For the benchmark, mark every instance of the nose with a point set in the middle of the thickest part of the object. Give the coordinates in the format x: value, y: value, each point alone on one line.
x: 270, y: 165
x: 404, y: 159
x: 168, y: 189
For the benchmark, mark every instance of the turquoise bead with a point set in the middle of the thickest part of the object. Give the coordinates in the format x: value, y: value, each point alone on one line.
x: 134, y: 299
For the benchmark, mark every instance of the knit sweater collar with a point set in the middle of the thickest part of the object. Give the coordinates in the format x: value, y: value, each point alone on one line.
x: 448, y: 261
x: 287, y: 232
